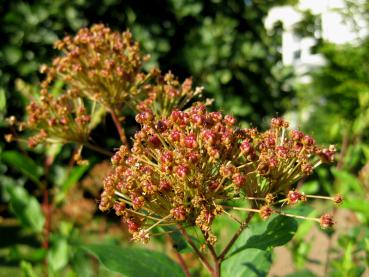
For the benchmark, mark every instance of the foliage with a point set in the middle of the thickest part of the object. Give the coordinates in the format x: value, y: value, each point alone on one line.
x: 222, y: 44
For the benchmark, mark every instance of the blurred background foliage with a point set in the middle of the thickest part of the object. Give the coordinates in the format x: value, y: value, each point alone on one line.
x: 225, y: 47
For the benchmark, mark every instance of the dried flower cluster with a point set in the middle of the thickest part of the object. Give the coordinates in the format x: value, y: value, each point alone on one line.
x: 185, y: 162
x: 58, y: 119
x: 181, y: 169
x: 178, y: 168
x: 102, y: 69
x: 101, y: 64
x: 276, y: 159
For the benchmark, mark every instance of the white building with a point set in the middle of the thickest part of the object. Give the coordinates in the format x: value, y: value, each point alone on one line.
x: 335, y: 28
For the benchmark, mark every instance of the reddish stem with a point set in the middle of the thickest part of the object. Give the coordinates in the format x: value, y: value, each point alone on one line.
x: 197, y: 251
x: 180, y: 259
x: 120, y: 130
x: 243, y: 226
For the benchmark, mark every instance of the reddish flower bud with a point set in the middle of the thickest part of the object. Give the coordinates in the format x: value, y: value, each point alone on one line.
x: 214, y: 185
x: 326, y: 221
x: 209, y: 137
x: 132, y: 226
x: 149, y: 187
x: 119, y: 208
x: 227, y: 170
x: 265, y: 212
x: 282, y: 152
x: 229, y: 120
x: 307, y: 168
x: 161, y: 126
x: 190, y: 141
x: 167, y: 157
x: 307, y: 140
x: 293, y: 197
x: 193, y: 157
x: 338, y: 199
x: 216, y: 116
x: 182, y: 171
x: 179, y: 213
x: 327, y: 155
x: 144, y: 117
x: 277, y: 122
x: 137, y: 201
x: 176, y: 135
x: 246, y: 147
x: 239, y: 179
x: 164, y: 185
x: 270, y: 142
x: 296, y: 135
x: 198, y: 119
x: 154, y: 141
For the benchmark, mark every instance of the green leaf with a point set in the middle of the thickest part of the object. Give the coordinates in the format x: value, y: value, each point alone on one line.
x: 251, y: 262
x: 58, y: 254
x: 24, y: 164
x: 75, y: 174
x: 12, y: 54
x: 347, y: 180
x: 27, y: 269
x: 82, y: 264
x: 179, y: 243
x: 134, y: 262
x: 357, y: 205
x: 2, y: 102
x: 276, y: 231
x: 26, y: 208
x: 301, y: 273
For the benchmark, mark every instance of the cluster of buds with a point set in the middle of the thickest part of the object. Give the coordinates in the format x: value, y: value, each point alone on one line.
x: 177, y: 170
x: 182, y: 167
x: 277, y: 158
x: 58, y: 119
x: 100, y: 64
x: 104, y: 67
x: 166, y: 93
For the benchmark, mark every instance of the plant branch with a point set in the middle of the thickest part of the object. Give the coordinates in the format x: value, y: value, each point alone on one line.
x: 194, y: 247
x: 180, y: 259
x: 120, y: 130
x: 98, y: 149
x: 243, y: 226
x: 217, y: 262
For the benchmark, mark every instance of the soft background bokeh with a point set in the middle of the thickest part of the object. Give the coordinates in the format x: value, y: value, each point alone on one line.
x: 228, y: 47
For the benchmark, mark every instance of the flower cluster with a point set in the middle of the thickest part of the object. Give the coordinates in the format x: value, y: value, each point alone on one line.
x: 276, y: 159
x: 166, y: 93
x: 100, y: 68
x: 178, y: 168
x: 100, y: 64
x: 181, y: 169
x: 58, y: 119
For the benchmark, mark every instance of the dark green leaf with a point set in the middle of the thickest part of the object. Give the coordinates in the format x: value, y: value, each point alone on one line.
x: 134, y: 262
x: 26, y: 208
x: 25, y: 164
x: 250, y: 262
x: 179, y: 242
x: 276, y: 231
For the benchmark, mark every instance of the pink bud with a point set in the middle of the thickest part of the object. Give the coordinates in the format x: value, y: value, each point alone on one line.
x: 182, y: 171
